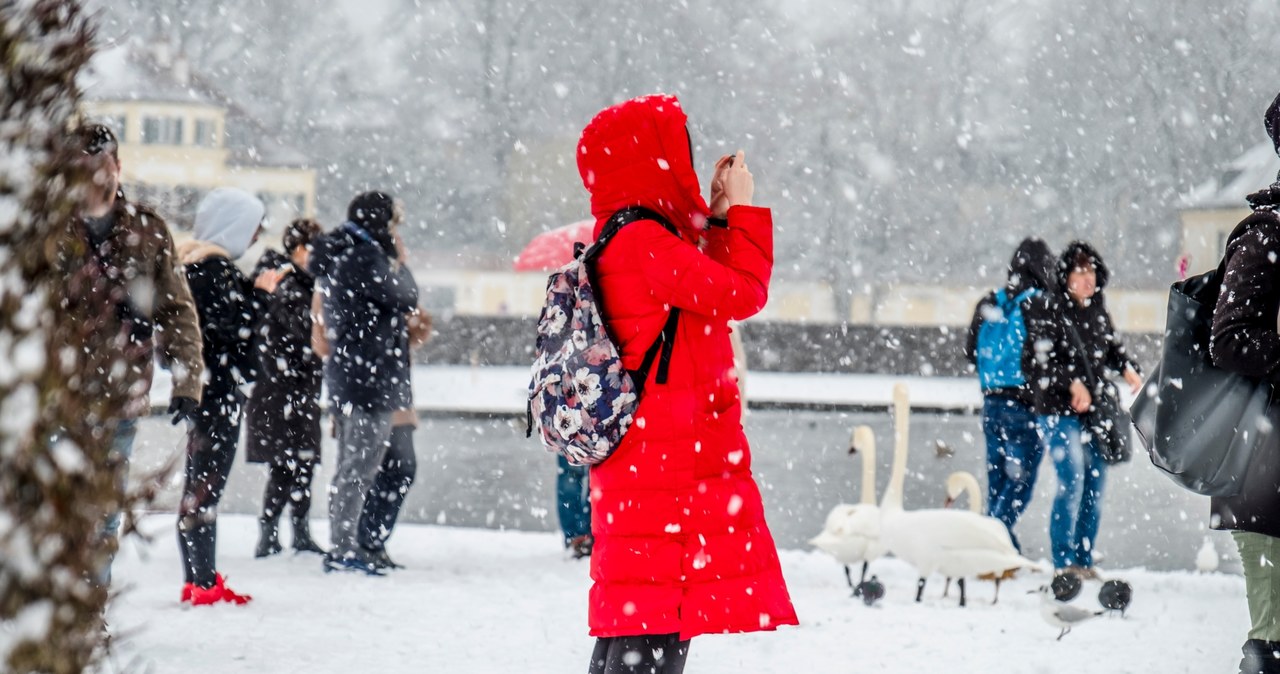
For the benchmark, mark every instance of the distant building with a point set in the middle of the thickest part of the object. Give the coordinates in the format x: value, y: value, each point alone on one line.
x: 180, y: 138
x: 1212, y: 210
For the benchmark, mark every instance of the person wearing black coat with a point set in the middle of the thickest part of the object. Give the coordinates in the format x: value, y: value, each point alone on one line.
x: 367, y: 296
x: 1245, y: 341
x: 1075, y: 313
x: 1008, y: 418
x: 229, y: 306
x: 283, y: 414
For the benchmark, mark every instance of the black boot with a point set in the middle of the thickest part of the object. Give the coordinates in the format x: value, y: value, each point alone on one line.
x: 302, y: 541
x: 382, y: 560
x: 268, y: 537
x: 1260, y: 657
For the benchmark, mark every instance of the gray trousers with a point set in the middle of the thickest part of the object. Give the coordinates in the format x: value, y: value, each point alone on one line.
x: 363, y: 440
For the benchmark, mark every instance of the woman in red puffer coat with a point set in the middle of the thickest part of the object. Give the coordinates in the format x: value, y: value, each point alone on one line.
x: 681, y: 543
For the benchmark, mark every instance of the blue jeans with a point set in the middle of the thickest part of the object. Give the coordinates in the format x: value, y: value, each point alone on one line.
x: 573, y: 502
x: 119, y: 454
x: 1077, y: 507
x: 1013, y: 458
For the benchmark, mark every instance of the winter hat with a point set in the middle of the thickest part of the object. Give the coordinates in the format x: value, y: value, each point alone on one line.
x: 372, y: 210
x: 1269, y: 198
x: 229, y: 218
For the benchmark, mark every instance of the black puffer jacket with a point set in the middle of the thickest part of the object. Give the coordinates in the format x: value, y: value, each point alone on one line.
x: 229, y: 308
x: 367, y: 297
x: 1032, y: 266
x: 1051, y: 359
x: 283, y: 415
x: 1245, y: 341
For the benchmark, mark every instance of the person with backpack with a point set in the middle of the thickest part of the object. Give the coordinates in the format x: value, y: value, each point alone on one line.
x: 994, y: 345
x: 283, y: 414
x: 228, y: 221
x: 681, y: 546
x: 1245, y: 341
x: 1070, y: 335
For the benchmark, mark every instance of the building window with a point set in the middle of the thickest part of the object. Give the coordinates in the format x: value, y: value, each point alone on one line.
x: 205, y: 133
x: 162, y: 130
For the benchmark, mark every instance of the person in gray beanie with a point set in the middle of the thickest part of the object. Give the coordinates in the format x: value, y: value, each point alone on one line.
x: 228, y: 221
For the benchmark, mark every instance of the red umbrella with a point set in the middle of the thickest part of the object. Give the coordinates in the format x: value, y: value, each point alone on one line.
x: 551, y: 250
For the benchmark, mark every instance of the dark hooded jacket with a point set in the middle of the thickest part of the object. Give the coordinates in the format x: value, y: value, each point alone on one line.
x: 283, y: 414
x: 367, y: 296
x: 1032, y: 266
x: 1245, y: 341
x: 1051, y: 358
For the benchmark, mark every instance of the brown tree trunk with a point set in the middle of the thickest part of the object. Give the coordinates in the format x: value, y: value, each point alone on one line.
x: 56, y: 486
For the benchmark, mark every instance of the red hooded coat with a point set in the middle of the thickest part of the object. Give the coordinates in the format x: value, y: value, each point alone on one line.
x: 681, y: 543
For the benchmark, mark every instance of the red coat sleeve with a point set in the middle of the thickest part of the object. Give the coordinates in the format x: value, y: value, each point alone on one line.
x: 730, y: 279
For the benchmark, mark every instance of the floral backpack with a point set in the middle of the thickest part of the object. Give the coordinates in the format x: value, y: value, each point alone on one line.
x: 581, y: 397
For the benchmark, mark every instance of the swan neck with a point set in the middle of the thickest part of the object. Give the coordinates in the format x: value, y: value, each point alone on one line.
x: 869, y: 474
x: 898, y: 475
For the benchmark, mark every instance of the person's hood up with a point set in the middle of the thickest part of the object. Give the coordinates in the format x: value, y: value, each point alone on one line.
x: 1032, y: 266
x: 638, y: 153
x: 229, y: 218
x: 1067, y: 260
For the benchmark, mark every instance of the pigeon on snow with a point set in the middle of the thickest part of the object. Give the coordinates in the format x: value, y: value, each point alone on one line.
x: 1060, y: 615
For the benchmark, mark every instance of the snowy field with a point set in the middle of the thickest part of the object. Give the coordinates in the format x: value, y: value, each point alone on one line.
x: 490, y: 601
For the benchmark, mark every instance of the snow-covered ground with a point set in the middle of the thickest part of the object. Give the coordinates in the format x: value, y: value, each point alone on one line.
x: 504, y: 601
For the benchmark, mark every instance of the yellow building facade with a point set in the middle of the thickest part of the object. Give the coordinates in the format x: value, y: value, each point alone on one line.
x: 179, y: 139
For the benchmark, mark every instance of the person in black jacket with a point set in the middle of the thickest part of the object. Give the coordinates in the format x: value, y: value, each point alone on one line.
x: 1008, y: 420
x: 1074, y: 313
x: 367, y: 295
x: 1245, y: 341
x: 227, y: 222
x: 283, y: 414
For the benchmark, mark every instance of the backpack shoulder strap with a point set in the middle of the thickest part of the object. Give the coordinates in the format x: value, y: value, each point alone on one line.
x: 666, y: 339
x: 621, y: 219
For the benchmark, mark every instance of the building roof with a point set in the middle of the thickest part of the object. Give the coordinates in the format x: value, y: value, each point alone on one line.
x: 1248, y: 173
x: 125, y: 73
x: 133, y: 72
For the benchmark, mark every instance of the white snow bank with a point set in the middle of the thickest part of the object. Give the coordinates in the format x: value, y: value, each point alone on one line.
x: 489, y: 601
x: 503, y: 390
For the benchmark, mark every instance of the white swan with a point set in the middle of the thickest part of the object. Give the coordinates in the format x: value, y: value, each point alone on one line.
x: 955, y: 543
x: 963, y: 482
x: 852, y: 531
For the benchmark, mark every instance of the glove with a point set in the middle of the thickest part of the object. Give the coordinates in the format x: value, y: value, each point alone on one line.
x: 182, y: 408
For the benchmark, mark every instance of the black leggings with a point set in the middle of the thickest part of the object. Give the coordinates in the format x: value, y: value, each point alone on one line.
x: 288, y: 482
x: 386, y: 495
x: 211, y: 447
x: 641, y: 654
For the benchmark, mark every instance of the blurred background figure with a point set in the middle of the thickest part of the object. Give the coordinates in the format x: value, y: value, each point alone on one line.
x: 283, y: 413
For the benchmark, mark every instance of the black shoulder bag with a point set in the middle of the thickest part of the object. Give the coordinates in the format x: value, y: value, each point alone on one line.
x: 1106, y: 420
x: 1201, y: 424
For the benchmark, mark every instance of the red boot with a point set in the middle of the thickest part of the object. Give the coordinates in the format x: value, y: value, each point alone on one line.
x: 187, y: 590
x: 205, y: 596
